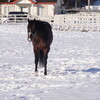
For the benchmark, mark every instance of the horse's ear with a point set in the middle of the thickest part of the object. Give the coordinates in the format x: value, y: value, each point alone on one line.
x: 34, y: 19
x: 28, y: 20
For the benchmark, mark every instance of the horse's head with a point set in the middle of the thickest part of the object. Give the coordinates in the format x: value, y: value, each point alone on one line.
x: 31, y: 26
x: 30, y: 29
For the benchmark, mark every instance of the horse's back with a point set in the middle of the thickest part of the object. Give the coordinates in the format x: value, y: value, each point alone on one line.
x: 44, y: 30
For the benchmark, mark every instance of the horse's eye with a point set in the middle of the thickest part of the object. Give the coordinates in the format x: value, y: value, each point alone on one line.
x: 28, y: 30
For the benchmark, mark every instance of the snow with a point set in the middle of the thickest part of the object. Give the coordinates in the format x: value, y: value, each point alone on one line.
x: 73, y: 66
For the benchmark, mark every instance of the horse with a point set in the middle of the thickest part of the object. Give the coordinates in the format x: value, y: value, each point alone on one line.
x: 41, y: 35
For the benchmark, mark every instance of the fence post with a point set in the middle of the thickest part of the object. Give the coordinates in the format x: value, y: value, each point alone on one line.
x: 15, y: 19
x: 2, y: 21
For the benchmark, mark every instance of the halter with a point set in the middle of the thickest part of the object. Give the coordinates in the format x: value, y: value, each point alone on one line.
x: 28, y: 38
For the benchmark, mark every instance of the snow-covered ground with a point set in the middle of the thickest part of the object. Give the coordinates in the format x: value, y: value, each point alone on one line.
x: 73, y: 66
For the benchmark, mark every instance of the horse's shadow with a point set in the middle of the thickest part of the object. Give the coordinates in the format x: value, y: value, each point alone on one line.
x: 90, y: 70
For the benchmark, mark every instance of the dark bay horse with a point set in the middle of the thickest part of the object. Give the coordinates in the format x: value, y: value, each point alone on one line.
x: 40, y: 33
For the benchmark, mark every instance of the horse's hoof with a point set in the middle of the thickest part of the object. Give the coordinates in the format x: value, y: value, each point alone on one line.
x: 45, y: 73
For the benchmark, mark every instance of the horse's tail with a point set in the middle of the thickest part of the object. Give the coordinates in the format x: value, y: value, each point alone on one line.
x: 41, y: 57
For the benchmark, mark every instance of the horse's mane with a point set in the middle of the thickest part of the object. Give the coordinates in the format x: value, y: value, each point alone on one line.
x: 42, y: 24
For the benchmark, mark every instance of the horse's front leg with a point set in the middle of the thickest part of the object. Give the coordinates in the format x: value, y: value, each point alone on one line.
x: 36, y: 63
x: 45, y: 64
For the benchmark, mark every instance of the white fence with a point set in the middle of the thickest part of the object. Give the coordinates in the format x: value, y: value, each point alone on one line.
x: 14, y: 18
x: 72, y: 22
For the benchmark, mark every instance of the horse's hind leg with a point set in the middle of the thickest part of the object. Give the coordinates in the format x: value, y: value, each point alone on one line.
x: 45, y: 59
x: 36, y: 63
x: 45, y: 62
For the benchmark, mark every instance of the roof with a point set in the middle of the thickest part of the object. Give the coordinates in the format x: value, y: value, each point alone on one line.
x: 3, y: 1
x: 47, y: 1
x: 33, y: 1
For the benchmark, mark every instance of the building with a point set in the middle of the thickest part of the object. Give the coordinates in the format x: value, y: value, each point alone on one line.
x: 0, y: 9
x: 33, y: 7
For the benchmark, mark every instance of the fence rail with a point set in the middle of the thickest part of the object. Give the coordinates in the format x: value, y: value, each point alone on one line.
x: 14, y: 18
x: 72, y: 22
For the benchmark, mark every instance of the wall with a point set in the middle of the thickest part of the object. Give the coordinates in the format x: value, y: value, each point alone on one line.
x: 51, y: 10
x: 33, y: 9
x: 0, y: 9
